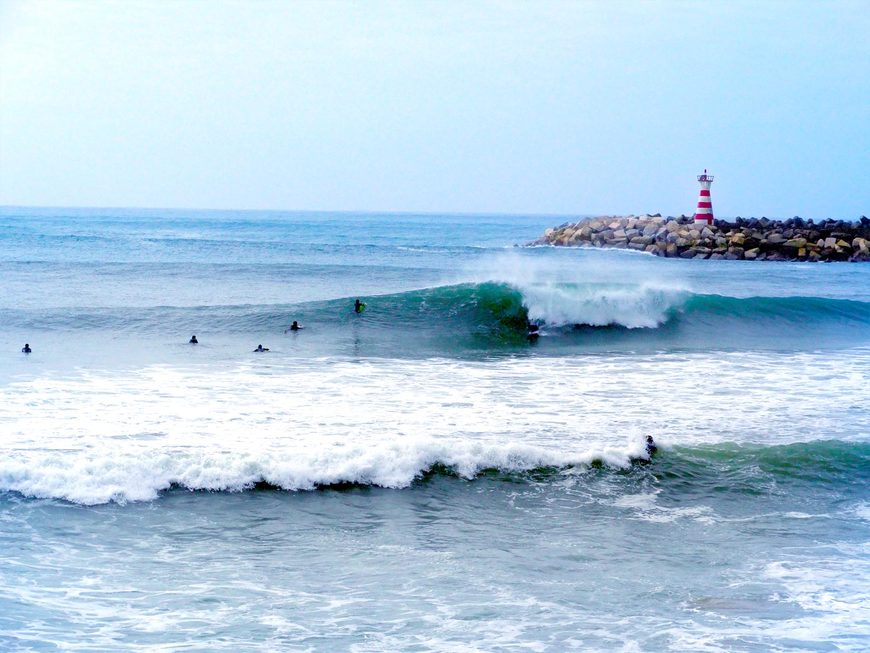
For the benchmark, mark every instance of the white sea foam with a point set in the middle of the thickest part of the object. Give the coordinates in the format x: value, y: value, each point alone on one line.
x: 831, y: 587
x: 641, y: 306
x: 133, y: 474
x: 590, y: 291
x: 863, y: 511
x: 645, y: 507
x: 125, y: 436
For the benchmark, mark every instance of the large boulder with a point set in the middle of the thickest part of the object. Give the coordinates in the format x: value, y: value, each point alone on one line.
x: 796, y: 243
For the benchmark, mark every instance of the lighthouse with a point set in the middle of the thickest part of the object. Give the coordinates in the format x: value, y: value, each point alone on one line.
x: 704, y: 212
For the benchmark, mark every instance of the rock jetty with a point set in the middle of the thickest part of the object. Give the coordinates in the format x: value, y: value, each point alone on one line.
x: 749, y: 239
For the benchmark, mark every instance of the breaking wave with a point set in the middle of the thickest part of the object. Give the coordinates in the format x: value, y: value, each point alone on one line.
x: 90, y: 478
x: 494, y: 311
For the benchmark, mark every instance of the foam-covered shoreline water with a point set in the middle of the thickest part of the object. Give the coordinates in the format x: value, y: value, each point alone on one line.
x: 96, y: 437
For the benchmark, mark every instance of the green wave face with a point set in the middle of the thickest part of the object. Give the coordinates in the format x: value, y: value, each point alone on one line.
x: 449, y: 320
x: 755, y: 467
x: 822, y: 470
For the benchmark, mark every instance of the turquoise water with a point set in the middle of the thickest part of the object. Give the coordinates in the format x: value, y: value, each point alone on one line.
x: 422, y: 477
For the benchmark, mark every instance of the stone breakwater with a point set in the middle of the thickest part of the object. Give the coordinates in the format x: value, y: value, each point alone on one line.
x: 750, y: 239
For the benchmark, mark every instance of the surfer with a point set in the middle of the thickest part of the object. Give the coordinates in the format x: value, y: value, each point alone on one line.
x: 533, y: 332
x: 358, y: 306
x: 651, y: 447
x: 26, y: 349
x: 193, y: 340
x: 294, y: 327
x: 261, y: 348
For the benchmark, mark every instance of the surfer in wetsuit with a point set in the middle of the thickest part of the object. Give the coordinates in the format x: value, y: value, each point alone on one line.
x: 295, y: 326
x: 533, y: 332
x: 651, y: 447
x: 358, y: 306
x: 26, y: 349
x: 193, y: 340
x: 261, y: 348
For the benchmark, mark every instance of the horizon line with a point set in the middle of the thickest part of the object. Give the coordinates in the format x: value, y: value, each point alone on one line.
x: 250, y: 210
x: 390, y: 212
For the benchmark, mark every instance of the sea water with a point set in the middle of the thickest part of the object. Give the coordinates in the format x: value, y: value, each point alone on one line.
x: 422, y: 476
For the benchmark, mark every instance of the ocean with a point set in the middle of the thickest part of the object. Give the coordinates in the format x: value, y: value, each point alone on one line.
x: 422, y: 476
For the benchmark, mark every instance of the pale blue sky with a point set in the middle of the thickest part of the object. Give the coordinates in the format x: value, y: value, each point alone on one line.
x: 510, y: 107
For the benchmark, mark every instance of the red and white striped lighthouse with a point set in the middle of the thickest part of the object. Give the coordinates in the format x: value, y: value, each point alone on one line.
x: 704, y: 212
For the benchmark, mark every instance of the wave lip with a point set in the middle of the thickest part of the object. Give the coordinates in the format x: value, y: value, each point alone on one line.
x: 598, y: 305
x: 89, y: 478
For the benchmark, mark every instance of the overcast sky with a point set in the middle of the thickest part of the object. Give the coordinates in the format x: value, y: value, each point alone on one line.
x: 503, y: 107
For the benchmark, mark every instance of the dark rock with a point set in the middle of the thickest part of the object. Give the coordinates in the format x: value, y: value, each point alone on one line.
x: 744, y: 238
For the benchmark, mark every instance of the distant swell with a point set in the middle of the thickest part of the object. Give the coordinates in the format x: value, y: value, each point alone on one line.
x: 786, y: 310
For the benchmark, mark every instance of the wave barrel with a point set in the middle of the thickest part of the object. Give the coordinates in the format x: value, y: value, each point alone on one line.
x: 704, y: 212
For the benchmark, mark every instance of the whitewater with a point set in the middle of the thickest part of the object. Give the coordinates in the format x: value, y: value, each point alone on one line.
x: 423, y: 476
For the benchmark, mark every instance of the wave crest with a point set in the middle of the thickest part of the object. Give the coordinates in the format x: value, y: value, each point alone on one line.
x: 630, y: 306
x: 89, y: 478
